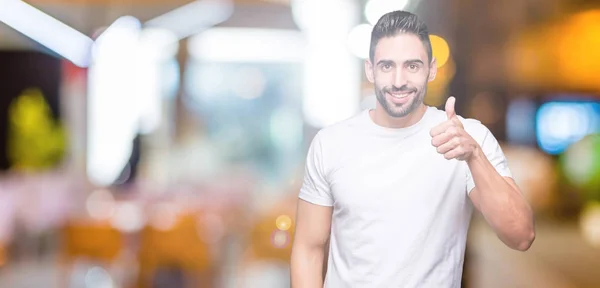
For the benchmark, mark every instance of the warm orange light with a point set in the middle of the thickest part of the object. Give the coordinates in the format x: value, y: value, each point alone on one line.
x: 440, y: 49
x: 283, y: 222
x: 2, y: 255
x: 579, y: 50
x: 562, y: 55
x: 437, y: 89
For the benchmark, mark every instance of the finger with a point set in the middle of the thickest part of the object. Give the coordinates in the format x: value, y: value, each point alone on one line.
x: 450, y: 112
x: 441, y: 128
x: 455, y: 153
x: 441, y: 139
x: 456, y: 121
x: 448, y: 146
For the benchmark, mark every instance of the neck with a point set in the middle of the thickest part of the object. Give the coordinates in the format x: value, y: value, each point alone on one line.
x: 382, y: 118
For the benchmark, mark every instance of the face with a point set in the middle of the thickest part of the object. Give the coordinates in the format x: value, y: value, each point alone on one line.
x: 400, y: 71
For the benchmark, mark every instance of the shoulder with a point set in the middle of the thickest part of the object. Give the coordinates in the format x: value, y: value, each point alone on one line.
x: 476, y: 129
x: 340, y: 131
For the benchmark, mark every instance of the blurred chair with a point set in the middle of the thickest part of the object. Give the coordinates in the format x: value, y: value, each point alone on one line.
x: 3, y: 257
x: 268, y: 242
x: 178, y: 250
x: 267, y: 256
x: 93, y: 241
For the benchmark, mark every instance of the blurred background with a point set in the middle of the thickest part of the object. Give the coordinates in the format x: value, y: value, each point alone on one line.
x: 154, y: 143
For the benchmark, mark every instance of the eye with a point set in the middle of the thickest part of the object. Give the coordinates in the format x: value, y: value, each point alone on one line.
x: 413, y: 67
x: 386, y: 67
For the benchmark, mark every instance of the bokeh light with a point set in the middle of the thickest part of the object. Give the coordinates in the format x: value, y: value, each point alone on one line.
x: 559, y: 124
x: 581, y: 165
x: 164, y: 216
x: 577, y: 38
x: 590, y: 223
x: 100, y: 204
x: 98, y: 277
x: 567, y: 64
x: 280, y: 239
x: 359, y: 40
x: 128, y: 217
x: 437, y: 90
x: 283, y: 222
x: 440, y: 50
x: 535, y: 173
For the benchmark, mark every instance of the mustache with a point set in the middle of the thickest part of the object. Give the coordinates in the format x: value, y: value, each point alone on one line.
x: 402, y: 89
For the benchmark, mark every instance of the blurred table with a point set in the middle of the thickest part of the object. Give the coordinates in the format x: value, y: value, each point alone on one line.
x: 559, y: 258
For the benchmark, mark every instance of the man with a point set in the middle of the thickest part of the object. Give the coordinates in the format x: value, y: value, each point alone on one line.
x: 393, y: 188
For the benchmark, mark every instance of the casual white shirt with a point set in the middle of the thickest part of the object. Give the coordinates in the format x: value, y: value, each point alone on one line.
x: 401, y: 211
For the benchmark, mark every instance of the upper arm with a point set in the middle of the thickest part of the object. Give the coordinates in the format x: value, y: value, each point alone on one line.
x: 315, y: 206
x: 313, y: 224
x: 315, y: 185
x: 493, y: 152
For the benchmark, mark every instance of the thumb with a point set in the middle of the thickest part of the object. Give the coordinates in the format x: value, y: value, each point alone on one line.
x: 450, y: 107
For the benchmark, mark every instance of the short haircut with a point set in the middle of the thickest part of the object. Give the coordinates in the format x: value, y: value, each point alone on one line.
x: 395, y: 22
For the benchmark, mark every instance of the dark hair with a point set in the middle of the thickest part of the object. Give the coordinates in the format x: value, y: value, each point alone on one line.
x: 395, y: 22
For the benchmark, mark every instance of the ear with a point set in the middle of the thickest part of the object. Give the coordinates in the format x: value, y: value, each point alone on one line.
x: 369, y: 71
x: 432, y: 69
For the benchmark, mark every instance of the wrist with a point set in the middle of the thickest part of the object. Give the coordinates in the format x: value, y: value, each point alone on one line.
x: 475, y: 156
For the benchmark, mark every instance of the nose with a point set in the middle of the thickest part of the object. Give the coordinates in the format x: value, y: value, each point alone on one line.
x: 399, y: 78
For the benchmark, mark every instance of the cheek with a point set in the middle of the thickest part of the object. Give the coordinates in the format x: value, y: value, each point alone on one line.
x: 383, y: 79
x: 418, y: 80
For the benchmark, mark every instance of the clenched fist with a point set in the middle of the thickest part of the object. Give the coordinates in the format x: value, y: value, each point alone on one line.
x: 450, y: 137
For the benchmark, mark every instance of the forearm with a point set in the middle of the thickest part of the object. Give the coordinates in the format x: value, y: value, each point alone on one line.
x: 307, y: 266
x: 502, y: 205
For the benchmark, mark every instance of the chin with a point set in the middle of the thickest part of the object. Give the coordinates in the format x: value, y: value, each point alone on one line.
x: 399, y: 111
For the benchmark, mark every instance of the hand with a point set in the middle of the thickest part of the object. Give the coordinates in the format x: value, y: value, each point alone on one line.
x: 450, y: 137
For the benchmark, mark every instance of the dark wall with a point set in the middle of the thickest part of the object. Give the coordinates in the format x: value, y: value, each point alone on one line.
x: 20, y: 70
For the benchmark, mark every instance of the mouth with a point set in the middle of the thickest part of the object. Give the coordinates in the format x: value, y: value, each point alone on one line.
x: 400, y: 97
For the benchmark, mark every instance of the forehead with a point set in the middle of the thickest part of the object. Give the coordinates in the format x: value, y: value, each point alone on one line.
x: 399, y: 48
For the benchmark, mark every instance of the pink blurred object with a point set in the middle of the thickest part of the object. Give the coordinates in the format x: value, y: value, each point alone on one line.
x: 39, y: 201
x: 8, y: 213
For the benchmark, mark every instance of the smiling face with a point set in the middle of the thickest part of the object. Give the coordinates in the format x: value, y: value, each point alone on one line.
x: 400, y: 70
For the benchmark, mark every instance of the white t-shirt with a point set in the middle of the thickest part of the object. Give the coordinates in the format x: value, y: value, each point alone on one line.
x: 401, y: 211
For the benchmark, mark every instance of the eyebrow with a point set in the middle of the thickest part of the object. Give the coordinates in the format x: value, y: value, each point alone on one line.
x: 414, y: 61
x: 384, y: 61
x: 410, y: 61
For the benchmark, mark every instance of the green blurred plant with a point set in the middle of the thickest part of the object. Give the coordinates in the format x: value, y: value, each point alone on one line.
x: 581, y: 166
x: 35, y: 140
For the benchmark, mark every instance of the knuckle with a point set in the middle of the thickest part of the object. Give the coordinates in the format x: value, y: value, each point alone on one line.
x: 456, y: 141
x: 452, y: 131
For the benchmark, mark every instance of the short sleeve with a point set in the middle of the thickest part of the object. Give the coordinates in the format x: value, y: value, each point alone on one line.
x: 315, y: 187
x: 492, y: 150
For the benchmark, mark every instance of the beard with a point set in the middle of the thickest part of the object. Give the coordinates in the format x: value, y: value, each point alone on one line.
x: 400, y: 110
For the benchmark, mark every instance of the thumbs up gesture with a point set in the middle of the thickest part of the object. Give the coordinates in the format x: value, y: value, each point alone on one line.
x: 450, y: 137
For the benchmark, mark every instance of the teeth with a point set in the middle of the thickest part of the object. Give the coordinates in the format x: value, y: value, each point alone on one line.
x: 400, y: 95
